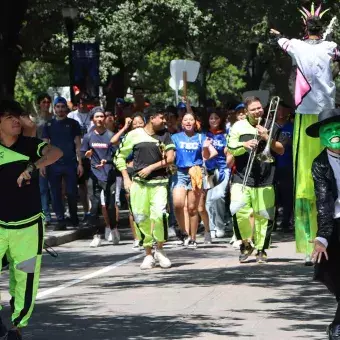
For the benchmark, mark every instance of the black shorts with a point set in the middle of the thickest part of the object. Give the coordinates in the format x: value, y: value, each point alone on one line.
x: 87, y: 171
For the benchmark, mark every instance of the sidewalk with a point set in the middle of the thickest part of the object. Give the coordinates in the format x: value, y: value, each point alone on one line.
x: 57, y: 238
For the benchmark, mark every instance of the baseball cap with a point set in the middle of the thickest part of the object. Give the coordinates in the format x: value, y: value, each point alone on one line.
x: 181, y: 105
x: 59, y: 100
x: 240, y: 106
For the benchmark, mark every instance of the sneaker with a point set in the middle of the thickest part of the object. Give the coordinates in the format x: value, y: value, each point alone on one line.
x: 96, y: 242
x: 108, y: 235
x: 115, y: 236
x: 246, y: 251
x: 3, y: 329
x: 261, y: 257
x: 233, y: 240
x: 163, y: 260
x: 136, y: 245
x: 86, y: 219
x: 333, y: 332
x: 186, y: 241
x: 207, y: 237
x: 212, y: 234
x: 192, y: 244
x: 148, y: 263
x: 61, y: 225
x: 220, y: 233
x: 171, y: 232
x: 13, y: 334
x: 308, y: 261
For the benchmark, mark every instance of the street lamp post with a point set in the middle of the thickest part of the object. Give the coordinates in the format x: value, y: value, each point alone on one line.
x: 69, y: 15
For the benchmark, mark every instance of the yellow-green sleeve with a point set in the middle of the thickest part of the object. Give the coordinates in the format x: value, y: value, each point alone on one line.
x: 125, y: 149
x: 235, y: 147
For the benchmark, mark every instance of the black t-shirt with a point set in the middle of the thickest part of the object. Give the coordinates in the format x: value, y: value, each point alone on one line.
x: 262, y: 173
x: 19, y: 205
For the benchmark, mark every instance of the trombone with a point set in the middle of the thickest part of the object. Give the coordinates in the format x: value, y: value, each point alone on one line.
x: 264, y: 156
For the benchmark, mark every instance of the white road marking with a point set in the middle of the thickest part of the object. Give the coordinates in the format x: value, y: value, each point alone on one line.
x: 87, y: 277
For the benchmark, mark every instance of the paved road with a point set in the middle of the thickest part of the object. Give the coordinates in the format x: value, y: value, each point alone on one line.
x: 100, y: 294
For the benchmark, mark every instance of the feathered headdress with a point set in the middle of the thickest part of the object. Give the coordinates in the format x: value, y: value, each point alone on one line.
x: 312, y: 13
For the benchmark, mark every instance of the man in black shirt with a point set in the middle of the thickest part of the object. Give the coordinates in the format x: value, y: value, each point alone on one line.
x: 21, y: 225
x: 257, y: 195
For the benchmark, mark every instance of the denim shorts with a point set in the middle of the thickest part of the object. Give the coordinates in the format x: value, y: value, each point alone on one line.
x: 182, y: 179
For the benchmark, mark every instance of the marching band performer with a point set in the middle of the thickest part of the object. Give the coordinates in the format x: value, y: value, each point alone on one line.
x: 314, y: 92
x: 255, y: 195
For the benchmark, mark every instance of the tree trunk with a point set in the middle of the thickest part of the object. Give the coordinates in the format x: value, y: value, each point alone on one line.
x: 116, y: 87
x: 11, y: 20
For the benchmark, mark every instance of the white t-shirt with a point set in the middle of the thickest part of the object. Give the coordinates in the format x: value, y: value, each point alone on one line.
x: 86, y: 124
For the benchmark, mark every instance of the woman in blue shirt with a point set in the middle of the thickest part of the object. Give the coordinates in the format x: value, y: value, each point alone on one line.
x: 217, y: 167
x: 188, y: 183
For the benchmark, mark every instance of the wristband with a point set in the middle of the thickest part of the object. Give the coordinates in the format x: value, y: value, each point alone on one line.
x: 31, y: 167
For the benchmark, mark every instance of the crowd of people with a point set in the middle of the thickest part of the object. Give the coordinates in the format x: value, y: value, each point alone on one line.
x: 172, y: 166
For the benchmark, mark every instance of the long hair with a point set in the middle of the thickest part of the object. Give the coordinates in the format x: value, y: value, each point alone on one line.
x: 219, y: 112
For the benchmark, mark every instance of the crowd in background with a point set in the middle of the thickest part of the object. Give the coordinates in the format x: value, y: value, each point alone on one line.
x: 80, y: 176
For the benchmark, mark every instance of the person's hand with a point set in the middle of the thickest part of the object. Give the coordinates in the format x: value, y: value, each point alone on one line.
x: 263, y: 132
x: 251, y: 144
x: 89, y: 153
x: 101, y: 164
x: 272, y: 31
x: 207, y: 143
x: 128, y: 122
x: 127, y: 184
x: 80, y: 170
x: 319, y: 250
x: 43, y: 171
x: 24, y: 178
x: 145, y: 172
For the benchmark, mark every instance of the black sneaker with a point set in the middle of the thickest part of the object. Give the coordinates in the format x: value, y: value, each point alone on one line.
x: 246, y: 251
x: 192, y: 244
x: 13, y: 334
x: 333, y: 332
x: 61, y: 225
x: 261, y: 257
x: 3, y: 329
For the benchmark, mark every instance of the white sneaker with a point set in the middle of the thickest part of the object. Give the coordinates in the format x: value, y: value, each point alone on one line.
x: 212, y: 233
x: 220, y: 233
x: 161, y: 257
x: 207, y: 237
x: 186, y: 241
x: 171, y: 232
x: 108, y: 234
x: 148, y: 263
x: 136, y: 245
x: 115, y: 237
x: 96, y: 242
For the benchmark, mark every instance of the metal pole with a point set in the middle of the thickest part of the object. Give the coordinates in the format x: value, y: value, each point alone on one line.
x: 70, y: 32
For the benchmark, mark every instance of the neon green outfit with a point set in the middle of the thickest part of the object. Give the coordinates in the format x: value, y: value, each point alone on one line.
x: 305, y: 150
x: 148, y: 197
x: 258, y: 196
x: 21, y: 225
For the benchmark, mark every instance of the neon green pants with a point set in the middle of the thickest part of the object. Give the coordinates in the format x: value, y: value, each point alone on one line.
x: 305, y: 150
x: 24, y: 250
x: 149, y: 209
x: 257, y: 201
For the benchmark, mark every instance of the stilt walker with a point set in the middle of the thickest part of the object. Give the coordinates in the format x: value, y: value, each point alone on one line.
x: 314, y: 92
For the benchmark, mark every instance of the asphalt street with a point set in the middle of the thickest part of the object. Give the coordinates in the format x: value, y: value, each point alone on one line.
x: 101, y: 294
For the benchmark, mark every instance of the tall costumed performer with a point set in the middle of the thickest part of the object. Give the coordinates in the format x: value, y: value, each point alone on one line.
x: 326, y: 175
x: 314, y: 92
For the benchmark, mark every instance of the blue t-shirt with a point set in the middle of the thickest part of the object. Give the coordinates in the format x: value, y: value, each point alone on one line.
x: 61, y: 134
x: 188, y: 149
x: 286, y: 133
x: 219, y: 142
x: 101, y: 147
